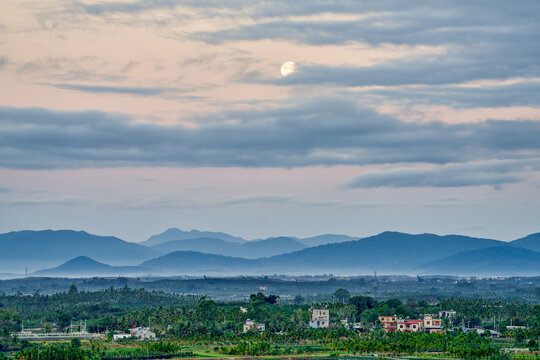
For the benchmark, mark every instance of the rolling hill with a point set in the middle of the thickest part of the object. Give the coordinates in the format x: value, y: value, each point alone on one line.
x: 177, y: 234
x: 269, y: 247
x: 196, y: 263
x: 249, y: 249
x: 496, y: 261
x: 326, y: 239
x: 48, y: 248
x: 531, y: 242
x: 83, y: 266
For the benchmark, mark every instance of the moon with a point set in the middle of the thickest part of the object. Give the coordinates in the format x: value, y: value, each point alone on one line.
x: 287, y: 68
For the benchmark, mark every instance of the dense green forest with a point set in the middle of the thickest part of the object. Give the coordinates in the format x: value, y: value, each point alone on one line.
x: 184, y: 321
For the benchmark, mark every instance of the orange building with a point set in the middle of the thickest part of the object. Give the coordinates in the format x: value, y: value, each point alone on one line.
x: 389, y: 323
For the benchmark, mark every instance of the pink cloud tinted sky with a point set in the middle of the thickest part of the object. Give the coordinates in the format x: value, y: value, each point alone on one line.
x: 129, y: 117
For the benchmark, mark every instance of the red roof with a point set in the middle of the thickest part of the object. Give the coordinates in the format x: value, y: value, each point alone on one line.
x: 411, y: 321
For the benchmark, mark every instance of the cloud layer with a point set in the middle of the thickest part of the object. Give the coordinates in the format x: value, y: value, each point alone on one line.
x: 316, y: 132
x: 453, y: 175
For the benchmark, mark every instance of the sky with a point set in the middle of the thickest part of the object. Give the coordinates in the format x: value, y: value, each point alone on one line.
x: 126, y: 118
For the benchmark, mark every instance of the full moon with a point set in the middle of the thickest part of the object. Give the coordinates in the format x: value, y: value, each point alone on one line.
x: 288, y: 68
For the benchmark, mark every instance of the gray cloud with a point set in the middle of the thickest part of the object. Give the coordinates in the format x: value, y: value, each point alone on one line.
x: 427, y: 71
x: 255, y: 9
x: 452, y: 175
x: 525, y: 93
x: 125, y: 7
x: 482, y: 40
x: 257, y: 199
x: 84, y: 68
x: 132, y: 90
x: 413, y: 22
x: 315, y: 132
x: 57, y: 201
x: 5, y: 190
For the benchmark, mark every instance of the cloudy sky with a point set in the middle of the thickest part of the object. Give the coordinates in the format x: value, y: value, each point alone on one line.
x: 129, y: 117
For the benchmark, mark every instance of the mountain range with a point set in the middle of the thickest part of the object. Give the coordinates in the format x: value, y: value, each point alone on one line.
x: 504, y: 260
x: 42, y: 249
x: 249, y: 249
x: 83, y: 254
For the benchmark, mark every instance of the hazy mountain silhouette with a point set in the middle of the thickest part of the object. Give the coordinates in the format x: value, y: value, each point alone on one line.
x: 204, y: 245
x: 47, y: 248
x: 325, y: 239
x: 191, y: 262
x: 269, y: 247
x: 388, y: 252
x: 177, y: 234
x: 249, y: 249
x: 498, y: 261
x: 531, y: 242
x: 83, y: 266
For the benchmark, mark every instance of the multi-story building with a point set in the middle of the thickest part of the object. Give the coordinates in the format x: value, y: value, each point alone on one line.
x: 432, y: 324
x: 410, y: 325
x: 320, y: 318
x: 389, y: 323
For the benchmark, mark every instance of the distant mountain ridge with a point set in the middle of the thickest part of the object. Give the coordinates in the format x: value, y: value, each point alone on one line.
x: 326, y: 239
x: 503, y: 260
x: 83, y: 266
x: 531, y: 242
x: 388, y: 252
x: 250, y: 249
x: 385, y: 253
x: 177, y: 234
x: 47, y: 248
x: 191, y: 262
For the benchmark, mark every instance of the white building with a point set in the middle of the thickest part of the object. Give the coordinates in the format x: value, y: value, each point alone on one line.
x: 141, y: 333
x: 251, y: 325
x: 447, y: 314
x: 138, y: 333
x: 117, y: 337
x: 320, y: 318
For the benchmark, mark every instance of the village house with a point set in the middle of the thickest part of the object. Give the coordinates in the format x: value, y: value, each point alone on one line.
x: 410, y: 325
x: 251, y: 325
x: 320, y: 318
x: 392, y: 323
x: 481, y: 331
x: 432, y: 324
x: 389, y: 323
